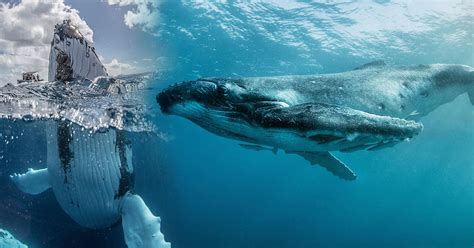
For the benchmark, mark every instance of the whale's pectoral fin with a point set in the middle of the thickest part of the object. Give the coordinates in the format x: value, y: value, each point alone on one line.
x: 33, y: 181
x: 140, y: 227
x: 329, y: 124
x: 328, y: 161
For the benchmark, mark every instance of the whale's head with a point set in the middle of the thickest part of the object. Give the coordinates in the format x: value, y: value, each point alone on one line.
x: 230, y: 108
x: 210, y: 93
x: 213, y: 94
x: 216, y: 104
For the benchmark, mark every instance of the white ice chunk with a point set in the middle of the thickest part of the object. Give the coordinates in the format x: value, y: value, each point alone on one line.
x: 8, y: 241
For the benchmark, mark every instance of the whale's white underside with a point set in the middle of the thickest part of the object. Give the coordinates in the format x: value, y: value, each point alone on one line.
x: 86, y: 189
x: 286, y: 139
x: 89, y: 187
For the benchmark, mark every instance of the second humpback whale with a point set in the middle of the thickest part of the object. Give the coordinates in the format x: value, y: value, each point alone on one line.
x: 371, y: 107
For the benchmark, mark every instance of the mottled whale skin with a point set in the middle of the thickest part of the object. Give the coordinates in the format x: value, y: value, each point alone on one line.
x: 371, y: 107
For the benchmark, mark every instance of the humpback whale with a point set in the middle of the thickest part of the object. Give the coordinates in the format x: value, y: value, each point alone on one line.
x: 371, y: 107
x: 90, y: 173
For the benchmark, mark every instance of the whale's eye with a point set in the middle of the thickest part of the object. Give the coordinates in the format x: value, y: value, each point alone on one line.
x: 222, y: 90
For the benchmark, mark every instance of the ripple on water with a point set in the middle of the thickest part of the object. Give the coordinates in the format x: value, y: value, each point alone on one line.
x: 110, y: 104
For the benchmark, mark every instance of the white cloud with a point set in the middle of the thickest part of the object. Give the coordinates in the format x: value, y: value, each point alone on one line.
x: 26, y: 30
x: 116, y: 67
x: 144, y: 14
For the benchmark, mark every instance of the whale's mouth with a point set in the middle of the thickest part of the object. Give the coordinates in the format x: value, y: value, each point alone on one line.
x: 228, y: 109
x: 213, y: 93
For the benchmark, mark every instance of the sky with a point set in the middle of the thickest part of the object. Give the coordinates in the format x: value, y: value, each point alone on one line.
x: 125, y: 32
x: 122, y: 31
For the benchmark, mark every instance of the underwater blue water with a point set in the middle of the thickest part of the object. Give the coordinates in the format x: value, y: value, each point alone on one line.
x: 417, y: 194
x: 210, y: 192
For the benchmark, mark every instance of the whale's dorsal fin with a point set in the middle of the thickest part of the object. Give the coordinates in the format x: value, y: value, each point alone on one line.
x: 329, y: 162
x: 376, y: 63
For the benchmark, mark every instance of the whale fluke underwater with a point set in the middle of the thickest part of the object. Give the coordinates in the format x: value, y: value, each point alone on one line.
x: 89, y: 167
x: 371, y: 107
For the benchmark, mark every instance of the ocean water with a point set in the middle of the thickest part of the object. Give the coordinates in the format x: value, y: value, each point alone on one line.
x: 210, y: 192
x: 417, y: 194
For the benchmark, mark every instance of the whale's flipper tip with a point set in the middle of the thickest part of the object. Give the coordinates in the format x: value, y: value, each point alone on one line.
x: 32, y: 182
x: 141, y: 228
x: 331, y: 163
